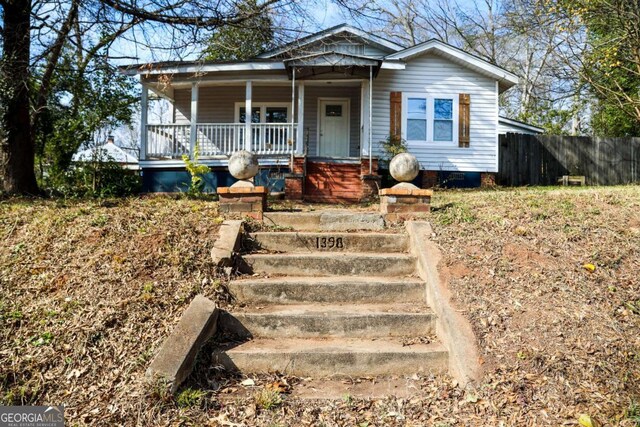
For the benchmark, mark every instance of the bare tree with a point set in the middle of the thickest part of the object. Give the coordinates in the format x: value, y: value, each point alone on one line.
x: 34, y: 34
x: 514, y: 34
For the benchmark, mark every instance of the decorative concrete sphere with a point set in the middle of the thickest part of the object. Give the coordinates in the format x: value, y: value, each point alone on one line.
x: 243, y: 165
x: 404, y: 167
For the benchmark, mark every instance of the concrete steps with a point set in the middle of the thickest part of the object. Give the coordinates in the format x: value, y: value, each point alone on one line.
x: 295, y: 290
x: 328, y: 264
x: 332, y: 356
x: 346, y: 320
x: 333, y: 302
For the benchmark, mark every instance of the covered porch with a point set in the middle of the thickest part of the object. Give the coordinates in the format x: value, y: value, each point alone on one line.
x: 315, y: 106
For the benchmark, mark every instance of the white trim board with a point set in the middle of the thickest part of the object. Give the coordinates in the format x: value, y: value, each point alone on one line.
x: 204, y: 68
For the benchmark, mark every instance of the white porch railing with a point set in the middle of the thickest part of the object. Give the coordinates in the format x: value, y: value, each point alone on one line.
x: 168, y: 141
x: 215, y: 139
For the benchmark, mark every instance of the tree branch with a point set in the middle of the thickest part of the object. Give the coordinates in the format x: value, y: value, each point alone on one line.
x: 56, y: 50
x: 218, y: 19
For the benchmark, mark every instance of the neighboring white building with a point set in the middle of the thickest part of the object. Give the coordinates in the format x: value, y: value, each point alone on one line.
x: 107, y: 152
x: 506, y: 125
x: 329, y: 98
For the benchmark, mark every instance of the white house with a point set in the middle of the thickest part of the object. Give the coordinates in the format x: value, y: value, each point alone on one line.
x: 320, y: 108
x: 107, y: 152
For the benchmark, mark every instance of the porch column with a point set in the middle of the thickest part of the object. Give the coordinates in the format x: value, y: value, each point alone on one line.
x: 300, y: 132
x: 144, y: 112
x: 370, y: 119
x: 364, y: 119
x: 248, y: 116
x: 194, y: 119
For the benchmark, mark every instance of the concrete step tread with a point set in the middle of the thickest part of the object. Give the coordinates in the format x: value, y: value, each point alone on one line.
x: 337, y: 310
x: 329, y: 233
x: 328, y: 289
x: 329, y: 263
x: 328, y: 345
x: 296, y: 241
x: 332, y: 280
x: 332, y: 255
x: 322, y: 357
x: 330, y: 219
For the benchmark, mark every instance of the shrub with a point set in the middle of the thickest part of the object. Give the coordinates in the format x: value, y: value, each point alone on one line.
x: 94, y: 179
x: 392, y: 146
x: 197, y: 172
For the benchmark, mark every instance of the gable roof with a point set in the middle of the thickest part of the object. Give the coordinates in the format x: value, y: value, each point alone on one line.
x: 505, y: 78
x: 396, y: 58
x: 369, y: 38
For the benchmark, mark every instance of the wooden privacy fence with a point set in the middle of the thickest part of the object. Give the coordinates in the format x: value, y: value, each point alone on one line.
x: 542, y: 160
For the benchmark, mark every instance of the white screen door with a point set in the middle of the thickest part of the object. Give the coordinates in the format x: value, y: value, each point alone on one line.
x: 334, y: 128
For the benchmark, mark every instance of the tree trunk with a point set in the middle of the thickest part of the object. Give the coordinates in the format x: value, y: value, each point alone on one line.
x: 16, y: 147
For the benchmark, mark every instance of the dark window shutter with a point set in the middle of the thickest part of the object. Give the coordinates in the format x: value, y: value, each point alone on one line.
x: 464, y: 119
x: 395, y: 119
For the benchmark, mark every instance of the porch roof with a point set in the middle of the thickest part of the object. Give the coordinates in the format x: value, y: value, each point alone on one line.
x: 317, y: 64
x: 179, y: 67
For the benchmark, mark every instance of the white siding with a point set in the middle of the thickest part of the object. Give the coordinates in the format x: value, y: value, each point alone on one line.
x: 216, y: 104
x: 434, y: 74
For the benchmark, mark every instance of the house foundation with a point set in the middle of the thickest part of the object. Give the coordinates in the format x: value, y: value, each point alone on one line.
x: 327, y: 180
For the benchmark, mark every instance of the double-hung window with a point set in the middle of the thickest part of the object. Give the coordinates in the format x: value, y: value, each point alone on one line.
x: 442, y: 119
x: 428, y: 118
x: 417, y: 119
x: 271, y: 131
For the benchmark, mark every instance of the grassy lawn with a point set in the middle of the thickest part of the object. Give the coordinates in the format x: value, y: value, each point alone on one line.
x: 90, y: 289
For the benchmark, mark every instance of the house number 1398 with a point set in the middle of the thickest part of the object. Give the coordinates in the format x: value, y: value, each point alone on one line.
x: 329, y: 243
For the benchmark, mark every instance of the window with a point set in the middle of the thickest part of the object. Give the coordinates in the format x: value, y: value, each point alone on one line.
x: 271, y: 119
x: 442, y: 119
x: 255, y: 115
x: 333, y: 110
x: 274, y: 112
x: 429, y: 119
x: 417, y: 119
x: 276, y: 115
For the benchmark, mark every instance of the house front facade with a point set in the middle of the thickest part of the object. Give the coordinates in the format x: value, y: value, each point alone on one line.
x: 318, y: 111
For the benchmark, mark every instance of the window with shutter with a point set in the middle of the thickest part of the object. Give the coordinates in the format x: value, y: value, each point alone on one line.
x: 435, y: 119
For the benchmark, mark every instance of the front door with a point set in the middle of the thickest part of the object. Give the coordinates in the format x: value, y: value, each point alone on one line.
x: 334, y: 128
